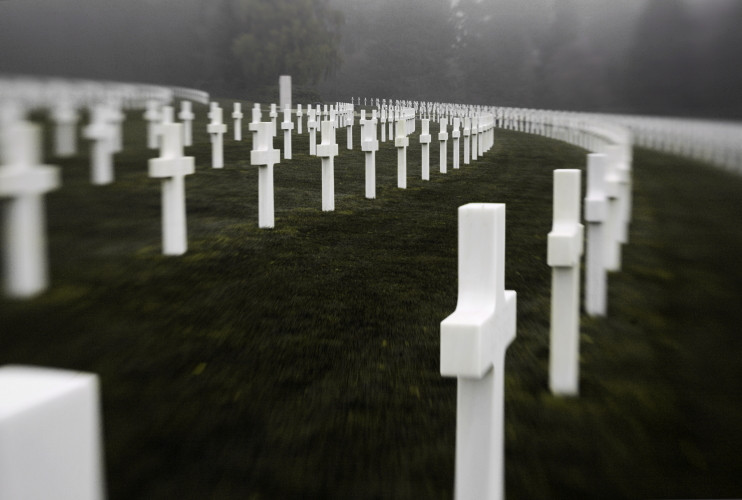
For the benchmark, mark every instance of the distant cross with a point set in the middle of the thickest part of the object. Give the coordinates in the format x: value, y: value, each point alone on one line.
x: 565, y: 242
x: 172, y: 167
x: 216, y: 128
x: 443, y: 140
x: 369, y: 144
x: 287, y: 126
x: 401, y: 141
x: 237, y: 117
x: 265, y: 157
x: 328, y: 150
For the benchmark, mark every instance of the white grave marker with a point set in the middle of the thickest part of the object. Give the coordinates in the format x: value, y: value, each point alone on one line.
x: 298, y: 119
x: 273, y: 114
x: 455, y: 134
x: 24, y: 180
x: 101, y: 135
x: 467, y: 136
x: 383, y: 124
x: 425, y: 147
x: 50, y: 435
x: 172, y: 167
x: 186, y: 116
x: 474, y: 136
x: 65, y: 120
x: 287, y: 126
x: 216, y: 128
x: 596, y: 213
x: 473, y: 343
x: 312, y: 127
x: 152, y: 115
x: 237, y: 117
x: 265, y: 157
x: 565, y: 242
x: 401, y: 142
x: 443, y: 140
x: 328, y: 150
x: 350, y: 118
x: 370, y: 145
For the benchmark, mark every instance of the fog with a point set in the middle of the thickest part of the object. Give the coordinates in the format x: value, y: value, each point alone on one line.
x: 667, y: 57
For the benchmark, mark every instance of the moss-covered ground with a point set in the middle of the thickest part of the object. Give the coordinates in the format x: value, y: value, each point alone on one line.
x: 302, y: 361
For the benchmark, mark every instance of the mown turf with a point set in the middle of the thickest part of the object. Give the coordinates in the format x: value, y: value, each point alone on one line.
x: 302, y: 362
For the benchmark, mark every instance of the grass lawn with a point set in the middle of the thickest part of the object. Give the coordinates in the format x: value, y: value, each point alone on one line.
x: 302, y: 361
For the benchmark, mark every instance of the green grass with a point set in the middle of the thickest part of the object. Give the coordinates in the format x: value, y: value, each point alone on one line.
x: 302, y: 362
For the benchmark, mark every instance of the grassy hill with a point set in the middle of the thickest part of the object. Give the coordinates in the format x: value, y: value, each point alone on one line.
x: 302, y: 361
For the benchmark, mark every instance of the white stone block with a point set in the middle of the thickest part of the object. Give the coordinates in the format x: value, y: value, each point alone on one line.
x: 473, y: 343
x: 50, y: 435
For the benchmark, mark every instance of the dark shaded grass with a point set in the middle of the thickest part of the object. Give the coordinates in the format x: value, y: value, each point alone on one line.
x: 302, y: 362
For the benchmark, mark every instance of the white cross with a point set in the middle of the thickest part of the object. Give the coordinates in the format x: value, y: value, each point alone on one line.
x: 237, y: 117
x: 473, y: 343
x: 172, y: 167
x: 298, y: 119
x: 474, y: 136
x: 328, y: 150
x: 565, y: 243
x: 65, y: 120
x: 265, y: 157
x: 217, y: 129
x: 401, y: 142
x: 443, y: 140
x: 370, y: 145
x: 100, y: 132
x: 596, y: 213
x: 455, y: 134
x: 349, y: 119
x: 24, y: 180
x: 287, y: 126
x: 186, y: 116
x: 273, y: 114
x: 152, y: 115
x: 425, y: 147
